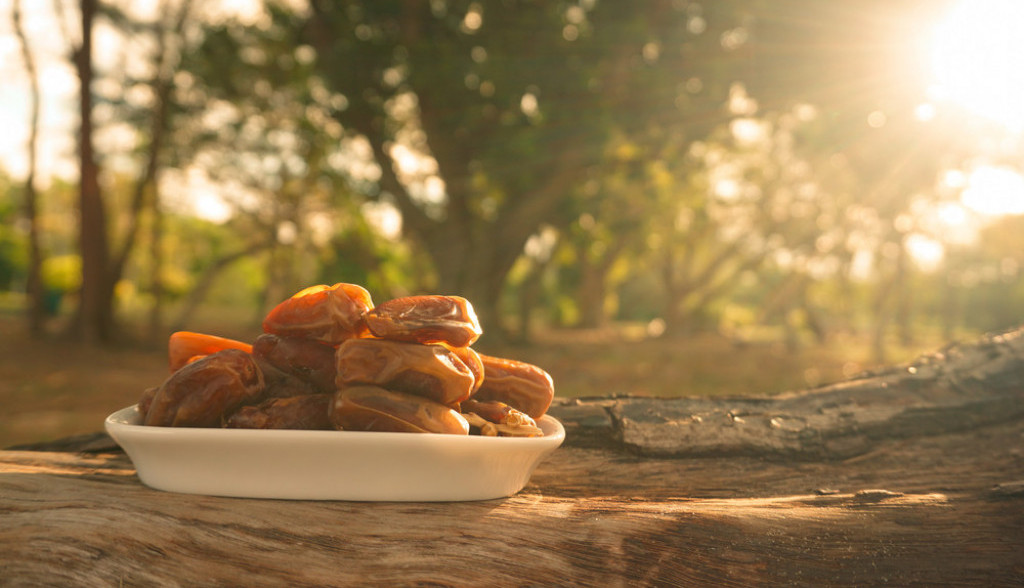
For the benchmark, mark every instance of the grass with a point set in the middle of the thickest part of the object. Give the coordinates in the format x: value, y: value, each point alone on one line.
x: 51, y: 389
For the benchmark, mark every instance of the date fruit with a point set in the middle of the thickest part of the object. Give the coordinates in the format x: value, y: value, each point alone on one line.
x: 496, y: 412
x: 497, y: 419
x: 521, y: 385
x: 330, y: 314
x: 185, y: 346
x: 204, y: 391
x: 471, y: 358
x: 426, y: 319
x: 372, y: 408
x: 430, y: 371
x: 146, y: 400
x: 307, y: 412
x: 306, y: 359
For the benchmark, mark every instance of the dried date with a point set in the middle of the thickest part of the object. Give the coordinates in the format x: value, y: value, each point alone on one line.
x: 498, y: 413
x: 521, y: 385
x: 492, y: 418
x: 430, y: 371
x: 306, y: 412
x: 282, y: 385
x: 186, y: 346
x: 330, y: 314
x: 372, y: 408
x: 204, y: 391
x: 426, y: 319
x: 471, y: 358
x: 146, y: 400
x: 306, y: 359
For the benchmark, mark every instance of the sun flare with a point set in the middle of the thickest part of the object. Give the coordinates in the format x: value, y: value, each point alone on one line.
x: 994, y: 191
x: 977, y: 58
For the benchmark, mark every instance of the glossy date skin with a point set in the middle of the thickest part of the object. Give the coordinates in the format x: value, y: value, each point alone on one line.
x: 186, y: 346
x: 372, y: 408
x: 429, y: 371
x: 306, y: 359
x: 426, y: 319
x: 281, y: 385
x: 471, y: 358
x: 330, y: 314
x: 496, y: 412
x: 203, y: 392
x: 308, y: 412
x: 521, y: 385
x: 146, y: 400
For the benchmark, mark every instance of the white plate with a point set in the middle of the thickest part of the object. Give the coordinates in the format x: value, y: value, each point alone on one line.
x: 330, y: 465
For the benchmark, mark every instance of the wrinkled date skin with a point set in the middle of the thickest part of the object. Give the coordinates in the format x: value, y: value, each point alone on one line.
x: 307, y: 412
x: 204, y: 391
x: 496, y: 412
x: 430, y: 371
x: 426, y: 319
x: 184, y: 346
x: 146, y: 400
x: 471, y: 358
x: 330, y: 314
x: 306, y: 359
x: 521, y: 385
x: 281, y: 385
x: 371, y: 408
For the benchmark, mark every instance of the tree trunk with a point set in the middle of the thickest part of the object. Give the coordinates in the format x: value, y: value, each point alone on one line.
x: 529, y: 295
x: 485, y: 293
x: 94, y: 319
x: 156, y: 260
x: 671, y: 311
x: 593, y: 287
x: 904, y: 298
x: 34, y: 287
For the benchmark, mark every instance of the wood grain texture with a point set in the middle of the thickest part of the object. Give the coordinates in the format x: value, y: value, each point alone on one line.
x: 917, y: 494
x: 960, y: 387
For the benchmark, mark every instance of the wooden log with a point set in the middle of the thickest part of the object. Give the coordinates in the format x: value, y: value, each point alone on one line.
x: 963, y: 386
x: 904, y: 477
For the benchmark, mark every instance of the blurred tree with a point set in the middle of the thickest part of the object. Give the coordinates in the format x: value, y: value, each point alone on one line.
x: 986, y: 282
x: 862, y: 67
x: 13, y: 253
x: 94, y: 318
x: 104, y: 259
x: 485, y: 118
x: 515, y: 139
x: 170, y: 40
x: 263, y: 125
x: 33, y: 284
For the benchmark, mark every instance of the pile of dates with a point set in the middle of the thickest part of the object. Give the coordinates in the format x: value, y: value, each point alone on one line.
x: 329, y: 359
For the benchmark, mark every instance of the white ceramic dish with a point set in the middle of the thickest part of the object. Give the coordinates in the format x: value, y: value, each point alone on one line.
x: 330, y: 465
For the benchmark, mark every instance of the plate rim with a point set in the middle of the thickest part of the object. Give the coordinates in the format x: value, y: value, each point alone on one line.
x: 121, y: 420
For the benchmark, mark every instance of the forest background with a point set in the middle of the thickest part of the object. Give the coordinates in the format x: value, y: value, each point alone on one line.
x: 663, y: 197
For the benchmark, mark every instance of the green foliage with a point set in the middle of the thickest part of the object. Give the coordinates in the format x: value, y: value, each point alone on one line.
x: 359, y: 255
x: 63, y: 273
x: 704, y: 164
x: 13, y: 246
